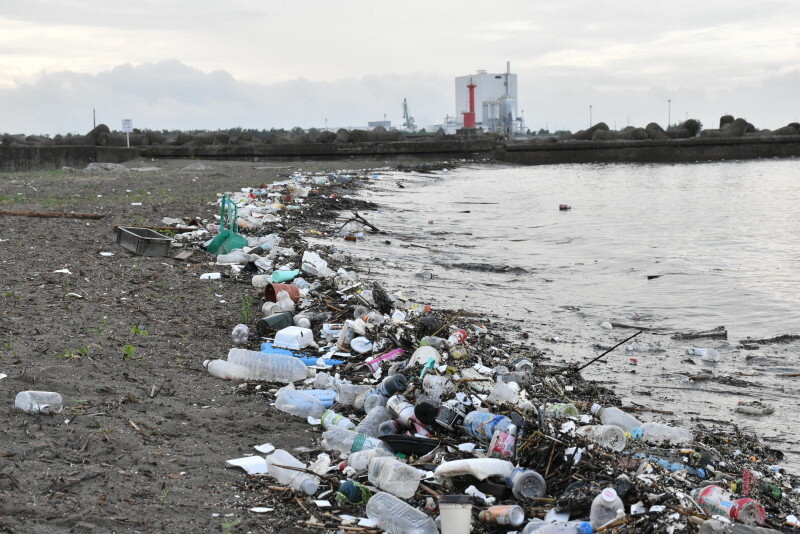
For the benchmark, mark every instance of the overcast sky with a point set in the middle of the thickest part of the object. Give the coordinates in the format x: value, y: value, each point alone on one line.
x: 205, y: 64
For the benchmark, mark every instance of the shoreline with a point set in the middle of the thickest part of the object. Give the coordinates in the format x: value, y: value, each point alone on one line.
x: 136, y: 429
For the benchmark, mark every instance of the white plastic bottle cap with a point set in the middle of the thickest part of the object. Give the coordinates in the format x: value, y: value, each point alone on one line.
x: 609, y: 495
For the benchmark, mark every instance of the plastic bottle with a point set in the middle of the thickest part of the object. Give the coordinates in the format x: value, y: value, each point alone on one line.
x: 526, y: 484
x: 561, y: 527
x: 561, y: 411
x: 331, y: 418
x: 393, y: 476
x: 347, y: 441
x: 397, y: 517
x: 611, y: 415
x: 511, y: 515
x: 373, y: 400
x: 371, y: 423
x: 610, y: 436
x: 268, y: 367
x: 438, y: 343
x: 657, y: 433
x: 435, y: 386
x: 235, y: 257
x: 360, y: 460
x: 298, y: 480
x: 483, y: 424
x: 715, y: 500
x: 346, y: 394
x: 712, y: 526
x: 240, y: 333
x: 39, y: 402
x: 605, y: 507
x: 456, y: 337
x: 294, y: 402
x: 388, y: 428
x: 375, y: 363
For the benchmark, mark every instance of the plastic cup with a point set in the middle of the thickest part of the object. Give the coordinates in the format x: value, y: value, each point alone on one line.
x: 456, y: 512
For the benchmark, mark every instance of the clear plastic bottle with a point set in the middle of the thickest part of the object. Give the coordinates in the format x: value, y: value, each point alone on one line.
x: 297, y: 403
x: 373, y: 400
x: 360, y: 460
x: 483, y: 424
x: 240, y: 333
x: 560, y: 527
x: 346, y: 394
x: 714, y: 500
x: 435, y: 386
x: 610, y: 436
x: 561, y: 410
x: 657, y: 433
x: 712, y: 526
x: 526, y: 483
x: 371, y: 423
x: 611, y: 415
x: 268, y: 367
x: 39, y: 402
x: 605, y: 507
x: 347, y: 441
x: 298, y: 480
x: 331, y: 418
x: 226, y: 370
x: 393, y: 476
x: 397, y: 517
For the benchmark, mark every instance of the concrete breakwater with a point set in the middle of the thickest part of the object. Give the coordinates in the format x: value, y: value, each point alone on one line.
x: 735, y: 139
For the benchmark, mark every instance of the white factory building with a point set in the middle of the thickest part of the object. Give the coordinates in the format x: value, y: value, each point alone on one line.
x: 495, y: 101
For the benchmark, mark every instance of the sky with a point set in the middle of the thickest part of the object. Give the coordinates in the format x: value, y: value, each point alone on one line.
x: 203, y: 64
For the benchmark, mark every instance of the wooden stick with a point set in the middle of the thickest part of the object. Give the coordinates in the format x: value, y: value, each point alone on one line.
x: 51, y: 214
x: 582, y: 367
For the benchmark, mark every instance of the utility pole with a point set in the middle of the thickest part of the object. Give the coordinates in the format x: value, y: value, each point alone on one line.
x: 590, y: 115
x: 669, y: 112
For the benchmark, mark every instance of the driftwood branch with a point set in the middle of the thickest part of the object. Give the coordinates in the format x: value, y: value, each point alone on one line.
x: 50, y: 214
x: 361, y: 220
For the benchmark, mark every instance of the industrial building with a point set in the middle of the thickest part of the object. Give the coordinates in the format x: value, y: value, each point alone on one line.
x: 495, y: 101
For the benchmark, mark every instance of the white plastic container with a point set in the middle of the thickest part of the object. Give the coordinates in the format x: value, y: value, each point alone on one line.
x: 293, y: 337
x: 456, y: 513
x: 605, y: 508
x: 39, y: 402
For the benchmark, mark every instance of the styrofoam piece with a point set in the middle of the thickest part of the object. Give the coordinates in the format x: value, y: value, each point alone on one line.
x: 293, y: 337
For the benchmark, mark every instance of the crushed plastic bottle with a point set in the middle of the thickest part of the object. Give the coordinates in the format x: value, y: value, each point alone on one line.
x: 298, y: 480
x: 393, y: 476
x: 39, y: 402
x: 560, y: 527
x: 370, y: 425
x: 347, y: 441
x: 657, y: 433
x: 526, y: 483
x: 298, y: 403
x: 610, y: 436
x: 359, y: 460
x: 397, y: 517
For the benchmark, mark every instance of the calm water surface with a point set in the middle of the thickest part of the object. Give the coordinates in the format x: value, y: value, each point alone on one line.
x: 686, y: 247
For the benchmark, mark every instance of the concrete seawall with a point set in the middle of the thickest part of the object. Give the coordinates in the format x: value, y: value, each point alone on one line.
x: 649, y: 151
x: 28, y: 158
x: 34, y: 158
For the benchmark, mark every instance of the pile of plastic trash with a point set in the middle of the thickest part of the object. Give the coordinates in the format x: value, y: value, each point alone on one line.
x: 431, y: 422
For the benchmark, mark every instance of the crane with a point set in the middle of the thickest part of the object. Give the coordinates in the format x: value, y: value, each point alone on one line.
x: 408, y: 120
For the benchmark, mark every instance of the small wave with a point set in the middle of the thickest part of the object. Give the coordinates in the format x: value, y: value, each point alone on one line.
x: 489, y: 268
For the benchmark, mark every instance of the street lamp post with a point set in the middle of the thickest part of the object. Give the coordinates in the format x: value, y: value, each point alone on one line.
x: 590, y: 115
x: 669, y: 112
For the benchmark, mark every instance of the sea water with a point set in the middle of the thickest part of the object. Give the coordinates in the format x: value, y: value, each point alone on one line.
x: 672, y: 248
